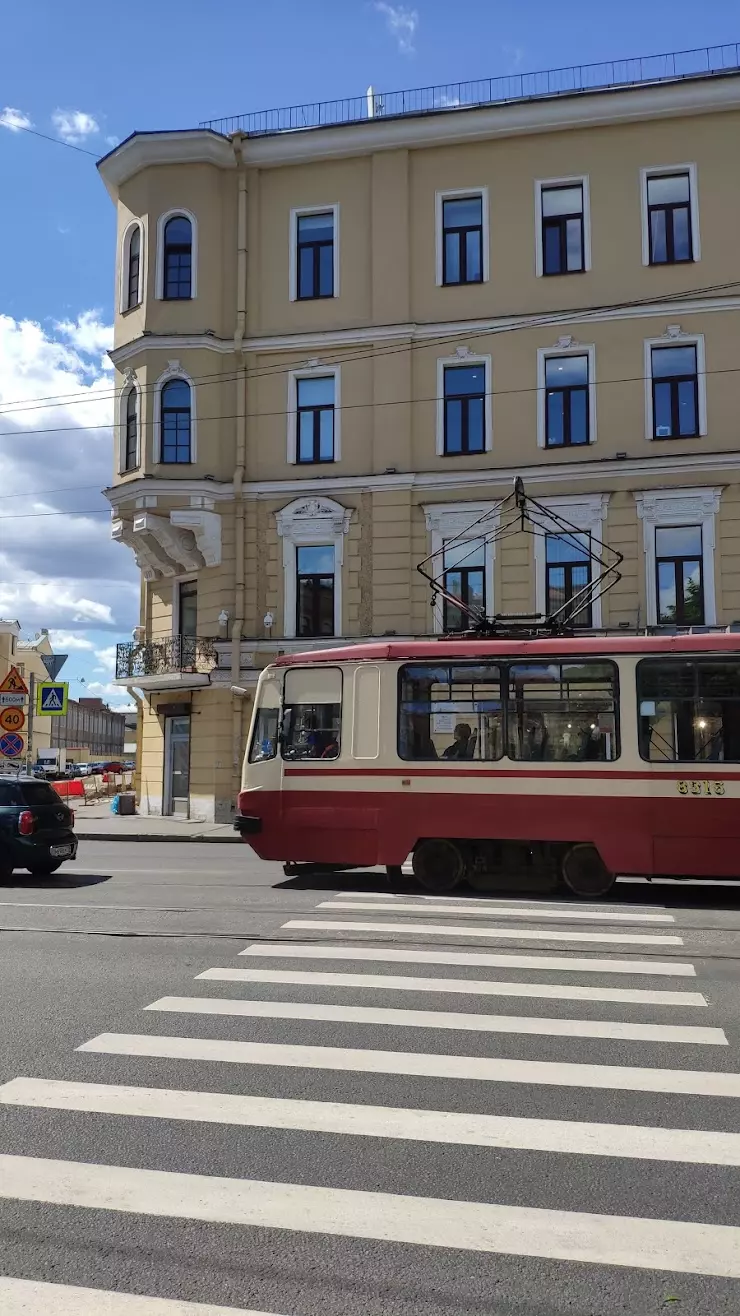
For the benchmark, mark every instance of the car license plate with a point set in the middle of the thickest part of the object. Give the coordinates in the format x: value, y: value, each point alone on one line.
x: 59, y: 851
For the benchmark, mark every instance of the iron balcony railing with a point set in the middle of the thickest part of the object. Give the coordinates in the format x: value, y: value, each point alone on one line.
x: 178, y: 653
x: 703, y: 61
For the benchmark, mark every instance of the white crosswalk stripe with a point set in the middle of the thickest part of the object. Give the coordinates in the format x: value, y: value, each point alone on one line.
x: 22, y: 1297
x: 459, y: 986
x: 450, y: 930
x: 502, y: 911
x: 527, y: 1229
x: 443, y: 1019
x: 634, y: 1141
x: 417, y: 1064
x: 681, y: 1247
x: 476, y: 959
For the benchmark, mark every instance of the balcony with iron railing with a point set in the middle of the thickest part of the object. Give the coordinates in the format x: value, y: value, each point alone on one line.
x: 705, y: 61
x: 174, y: 662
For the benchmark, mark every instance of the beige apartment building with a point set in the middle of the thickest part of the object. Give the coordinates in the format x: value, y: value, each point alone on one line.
x: 336, y: 347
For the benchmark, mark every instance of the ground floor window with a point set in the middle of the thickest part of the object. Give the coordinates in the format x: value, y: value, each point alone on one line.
x: 465, y: 578
x: 568, y: 572
x: 678, y: 564
x: 315, y: 591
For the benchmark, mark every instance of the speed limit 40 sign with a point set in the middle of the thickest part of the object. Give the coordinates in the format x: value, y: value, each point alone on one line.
x: 12, y: 719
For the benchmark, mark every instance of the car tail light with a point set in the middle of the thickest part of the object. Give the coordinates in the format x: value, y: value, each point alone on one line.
x: 25, y: 823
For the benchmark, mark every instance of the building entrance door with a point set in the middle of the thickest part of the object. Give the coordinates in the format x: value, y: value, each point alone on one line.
x: 177, y: 766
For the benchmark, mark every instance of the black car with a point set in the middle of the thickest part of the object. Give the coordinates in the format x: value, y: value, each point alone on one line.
x: 35, y: 827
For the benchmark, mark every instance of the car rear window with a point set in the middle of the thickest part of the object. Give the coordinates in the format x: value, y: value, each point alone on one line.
x: 9, y: 793
x: 37, y: 793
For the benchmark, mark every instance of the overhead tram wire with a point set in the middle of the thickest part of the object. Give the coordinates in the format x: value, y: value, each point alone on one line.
x: 360, y: 406
x: 542, y: 319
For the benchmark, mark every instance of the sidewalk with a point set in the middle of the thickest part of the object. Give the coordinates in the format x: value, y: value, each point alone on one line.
x: 95, y: 822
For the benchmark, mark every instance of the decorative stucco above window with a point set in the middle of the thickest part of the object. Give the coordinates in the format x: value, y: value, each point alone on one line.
x: 662, y: 508
x: 311, y: 522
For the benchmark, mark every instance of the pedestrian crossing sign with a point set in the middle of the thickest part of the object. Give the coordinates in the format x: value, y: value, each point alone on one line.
x: 51, y: 698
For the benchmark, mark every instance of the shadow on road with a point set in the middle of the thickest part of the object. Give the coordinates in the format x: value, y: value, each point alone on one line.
x: 22, y: 881
x: 671, y: 893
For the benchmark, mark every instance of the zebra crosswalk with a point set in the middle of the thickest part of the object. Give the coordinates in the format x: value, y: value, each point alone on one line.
x: 288, y: 1048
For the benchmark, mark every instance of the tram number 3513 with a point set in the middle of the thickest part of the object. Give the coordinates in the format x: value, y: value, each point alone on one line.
x: 701, y: 787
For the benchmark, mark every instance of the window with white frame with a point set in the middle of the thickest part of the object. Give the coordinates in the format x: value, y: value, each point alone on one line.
x: 675, y: 377
x: 563, y: 227
x: 313, y: 531
x: 562, y: 559
x: 314, y: 253
x: 315, y: 571
x: 568, y: 573
x: 679, y: 540
x: 462, y: 237
x: 176, y: 260
x: 132, y: 267
x: 463, y: 556
x: 313, y: 419
x: 131, y: 430
x: 670, y: 215
x: 463, y: 405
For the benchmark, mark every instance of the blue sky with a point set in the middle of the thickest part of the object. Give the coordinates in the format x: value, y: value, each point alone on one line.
x: 90, y: 73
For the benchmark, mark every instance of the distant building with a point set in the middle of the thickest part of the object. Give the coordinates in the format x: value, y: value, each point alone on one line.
x: 90, y: 730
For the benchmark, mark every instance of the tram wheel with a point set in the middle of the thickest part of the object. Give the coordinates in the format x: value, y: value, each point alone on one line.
x: 585, y: 873
x: 438, y: 864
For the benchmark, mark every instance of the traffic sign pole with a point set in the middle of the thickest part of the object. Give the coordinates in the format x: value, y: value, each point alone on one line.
x: 31, y: 711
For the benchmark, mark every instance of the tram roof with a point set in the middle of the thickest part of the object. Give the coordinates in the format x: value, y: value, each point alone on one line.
x: 587, y: 645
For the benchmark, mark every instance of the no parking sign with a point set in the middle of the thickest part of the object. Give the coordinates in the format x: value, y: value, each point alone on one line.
x: 11, y: 745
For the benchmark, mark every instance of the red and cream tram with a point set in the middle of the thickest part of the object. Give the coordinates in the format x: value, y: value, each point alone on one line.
x: 567, y: 758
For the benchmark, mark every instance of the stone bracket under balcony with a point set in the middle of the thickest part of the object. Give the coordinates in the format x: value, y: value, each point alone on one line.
x: 188, y: 540
x: 171, y: 544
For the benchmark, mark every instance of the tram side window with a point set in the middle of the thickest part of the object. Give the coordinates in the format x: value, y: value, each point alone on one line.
x: 562, y: 711
x: 265, y: 735
x: 312, y: 713
x: 450, y: 712
x: 689, y: 710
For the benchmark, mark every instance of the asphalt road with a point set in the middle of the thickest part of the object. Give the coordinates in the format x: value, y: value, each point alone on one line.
x: 389, y: 1105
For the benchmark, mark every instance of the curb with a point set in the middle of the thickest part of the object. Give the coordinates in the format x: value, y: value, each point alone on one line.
x: 202, y: 837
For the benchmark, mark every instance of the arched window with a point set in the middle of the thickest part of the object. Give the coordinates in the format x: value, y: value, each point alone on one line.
x: 178, y: 259
x: 133, y: 278
x: 175, y: 422
x: 131, y: 437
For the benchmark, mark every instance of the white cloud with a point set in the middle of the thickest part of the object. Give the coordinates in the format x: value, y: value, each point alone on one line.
x: 14, y: 119
x: 514, y: 54
x: 447, y: 102
x: 115, y: 696
x: 112, y: 141
x: 107, y: 659
x: 401, y: 22
x: 58, y: 565
x: 74, y: 126
x: 87, y: 333
x: 61, y: 641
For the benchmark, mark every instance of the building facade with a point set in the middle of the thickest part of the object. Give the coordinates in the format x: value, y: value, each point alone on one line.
x: 89, y: 730
x: 337, y: 348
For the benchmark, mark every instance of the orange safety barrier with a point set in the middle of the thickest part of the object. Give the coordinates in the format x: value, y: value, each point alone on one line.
x: 67, y: 788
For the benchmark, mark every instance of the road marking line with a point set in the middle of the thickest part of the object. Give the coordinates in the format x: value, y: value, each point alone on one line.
x: 447, y: 930
x: 25, y: 1297
x: 501, y: 911
x: 492, y: 900
x: 646, y: 1244
x: 631, y: 1141
x: 478, y: 959
x: 474, y: 1023
x: 415, y: 1064
x: 461, y: 986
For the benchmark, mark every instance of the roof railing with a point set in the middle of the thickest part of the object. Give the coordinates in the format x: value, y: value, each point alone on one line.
x: 576, y: 78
